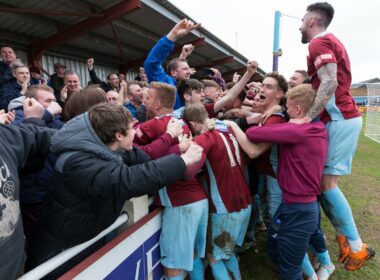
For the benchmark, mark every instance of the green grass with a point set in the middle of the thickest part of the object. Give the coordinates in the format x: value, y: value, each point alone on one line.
x: 362, y: 190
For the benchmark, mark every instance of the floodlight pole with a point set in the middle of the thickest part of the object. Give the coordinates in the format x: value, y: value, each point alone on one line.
x: 276, y: 40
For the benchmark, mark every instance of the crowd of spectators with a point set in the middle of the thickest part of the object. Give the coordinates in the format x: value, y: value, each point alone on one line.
x: 223, y: 158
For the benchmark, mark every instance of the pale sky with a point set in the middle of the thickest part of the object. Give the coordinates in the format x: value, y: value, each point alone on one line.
x: 354, y: 24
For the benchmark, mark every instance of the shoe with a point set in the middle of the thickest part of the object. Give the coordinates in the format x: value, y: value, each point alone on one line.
x: 343, y: 247
x: 324, y: 272
x: 262, y: 227
x: 357, y: 260
x: 247, y: 245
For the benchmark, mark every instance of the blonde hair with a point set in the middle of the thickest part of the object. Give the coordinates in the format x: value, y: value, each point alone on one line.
x: 303, y: 95
x: 165, y: 93
x: 31, y: 92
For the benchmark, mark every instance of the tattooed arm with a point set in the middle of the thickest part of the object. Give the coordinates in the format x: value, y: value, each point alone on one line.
x: 328, y: 76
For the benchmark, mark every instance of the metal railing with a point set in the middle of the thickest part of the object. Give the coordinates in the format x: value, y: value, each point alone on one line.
x: 56, y: 261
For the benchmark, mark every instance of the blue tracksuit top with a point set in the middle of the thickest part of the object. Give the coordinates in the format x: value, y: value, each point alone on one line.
x: 153, y: 66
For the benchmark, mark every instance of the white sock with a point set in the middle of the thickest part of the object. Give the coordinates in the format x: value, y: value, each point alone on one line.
x: 355, y: 245
x: 313, y: 277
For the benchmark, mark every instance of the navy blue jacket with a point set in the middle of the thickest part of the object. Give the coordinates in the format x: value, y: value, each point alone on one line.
x: 5, y: 73
x: 8, y: 92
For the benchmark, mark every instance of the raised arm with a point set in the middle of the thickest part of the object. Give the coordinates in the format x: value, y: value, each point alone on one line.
x: 162, y: 49
x: 94, y: 78
x: 234, y: 92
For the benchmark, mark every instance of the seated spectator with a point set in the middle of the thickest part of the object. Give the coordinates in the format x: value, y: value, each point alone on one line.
x: 177, y: 68
x: 97, y: 170
x: 56, y: 80
x: 8, y: 57
x: 17, y: 145
x: 112, y: 78
x: 15, y: 87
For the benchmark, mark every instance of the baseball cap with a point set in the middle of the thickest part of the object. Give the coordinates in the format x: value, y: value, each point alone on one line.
x: 59, y: 64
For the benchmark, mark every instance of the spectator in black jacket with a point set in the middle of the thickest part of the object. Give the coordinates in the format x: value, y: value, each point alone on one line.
x: 112, y: 78
x: 56, y: 80
x: 97, y: 170
x: 8, y: 57
x: 16, y: 144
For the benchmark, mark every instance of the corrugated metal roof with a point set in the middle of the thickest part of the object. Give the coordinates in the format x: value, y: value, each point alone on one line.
x: 137, y: 31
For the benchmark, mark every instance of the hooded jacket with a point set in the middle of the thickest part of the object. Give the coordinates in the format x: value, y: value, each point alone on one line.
x: 89, y: 187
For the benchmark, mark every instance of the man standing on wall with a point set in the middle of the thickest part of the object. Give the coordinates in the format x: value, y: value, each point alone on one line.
x: 330, y: 73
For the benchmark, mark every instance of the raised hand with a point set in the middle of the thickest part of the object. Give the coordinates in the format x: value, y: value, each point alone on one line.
x: 252, y: 67
x: 90, y: 63
x: 7, y: 118
x: 236, y: 77
x: 181, y: 29
x: 186, y: 51
x: 33, y: 109
x: 63, y: 94
x: 54, y: 109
